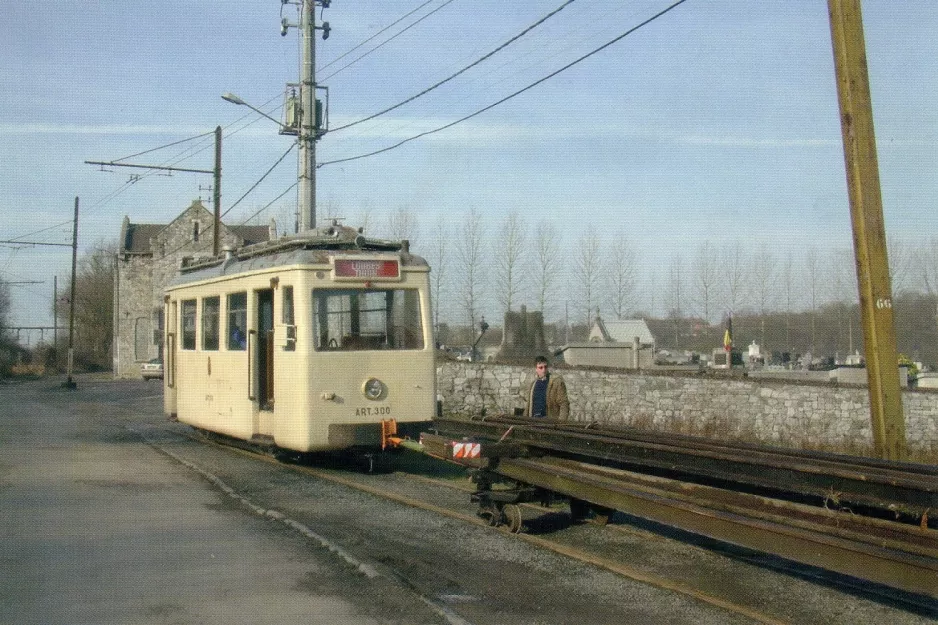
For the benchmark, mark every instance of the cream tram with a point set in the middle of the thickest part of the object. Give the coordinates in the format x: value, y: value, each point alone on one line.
x: 313, y: 342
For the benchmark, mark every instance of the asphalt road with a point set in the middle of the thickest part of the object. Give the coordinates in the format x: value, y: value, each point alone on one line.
x: 109, y: 515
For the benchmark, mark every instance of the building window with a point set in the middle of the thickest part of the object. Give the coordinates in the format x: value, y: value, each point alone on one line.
x: 142, y: 338
x: 188, y: 324
x: 211, y: 308
x: 237, y: 321
x: 195, y: 231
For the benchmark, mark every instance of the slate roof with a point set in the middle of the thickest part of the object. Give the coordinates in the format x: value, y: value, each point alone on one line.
x: 625, y: 331
x: 135, y: 238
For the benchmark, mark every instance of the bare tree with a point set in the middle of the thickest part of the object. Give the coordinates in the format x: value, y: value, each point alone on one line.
x: 363, y: 218
x: 675, y: 294
x: 94, y: 303
x: 621, y: 275
x: 928, y: 260
x: 587, y: 272
x: 901, y: 262
x: 842, y: 276
x: 788, y: 278
x: 437, y: 257
x: 546, y: 262
x: 812, y: 278
x: 5, y: 303
x: 402, y: 224
x: 705, y: 279
x: 509, y: 258
x: 733, y: 277
x: 765, y: 283
x: 471, y: 256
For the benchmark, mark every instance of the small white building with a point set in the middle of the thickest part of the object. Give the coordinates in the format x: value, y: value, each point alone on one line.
x: 624, y: 344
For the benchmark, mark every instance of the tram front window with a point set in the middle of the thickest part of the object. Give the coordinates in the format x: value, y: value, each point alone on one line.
x: 354, y: 320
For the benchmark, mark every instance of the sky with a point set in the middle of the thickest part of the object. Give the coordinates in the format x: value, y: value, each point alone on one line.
x: 718, y: 121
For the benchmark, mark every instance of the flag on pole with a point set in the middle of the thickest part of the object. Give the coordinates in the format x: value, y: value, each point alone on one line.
x: 728, y: 335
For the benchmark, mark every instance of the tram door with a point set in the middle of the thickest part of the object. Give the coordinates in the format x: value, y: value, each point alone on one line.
x: 265, y: 348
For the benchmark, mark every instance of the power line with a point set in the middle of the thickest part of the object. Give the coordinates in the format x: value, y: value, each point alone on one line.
x: 463, y: 70
x: 389, y: 26
x: 385, y: 42
x: 267, y: 173
x: 290, y: 188
x: 512, y: 95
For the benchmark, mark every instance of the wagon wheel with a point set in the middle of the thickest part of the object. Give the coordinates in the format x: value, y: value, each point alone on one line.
x: 512, y: 517
x: 491, y: 515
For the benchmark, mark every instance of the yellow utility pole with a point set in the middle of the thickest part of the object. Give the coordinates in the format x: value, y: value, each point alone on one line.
x: 869, y: 232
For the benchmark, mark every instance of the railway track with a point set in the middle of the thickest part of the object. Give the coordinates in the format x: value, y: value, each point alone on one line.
x: 874, y: 550
x: 366, y: 483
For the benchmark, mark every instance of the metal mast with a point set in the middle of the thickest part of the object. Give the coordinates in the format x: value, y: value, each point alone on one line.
x: 310, y: 128
x: 307, y: 137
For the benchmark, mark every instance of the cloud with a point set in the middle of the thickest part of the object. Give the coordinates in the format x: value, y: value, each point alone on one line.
x: 113, y: 130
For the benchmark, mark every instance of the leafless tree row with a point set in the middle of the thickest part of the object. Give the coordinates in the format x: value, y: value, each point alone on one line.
x: 482, y: 267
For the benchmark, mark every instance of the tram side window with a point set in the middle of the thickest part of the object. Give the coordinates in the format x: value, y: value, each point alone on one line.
x: 188, y: 324
x: 288, y: 320
x: 211, y: 309
x: 237, y: 321
x: 354, y: 320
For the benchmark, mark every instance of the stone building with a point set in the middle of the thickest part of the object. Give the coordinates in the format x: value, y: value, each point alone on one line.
x: 148, y: 257
x: 522, y: 336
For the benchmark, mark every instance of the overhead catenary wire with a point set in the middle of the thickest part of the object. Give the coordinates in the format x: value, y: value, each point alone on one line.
x: 168, y: 145
x: 461, y: 71
x: 511, y: 95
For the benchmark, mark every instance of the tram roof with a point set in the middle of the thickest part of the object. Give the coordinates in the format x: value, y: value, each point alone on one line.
x: 312, y: 248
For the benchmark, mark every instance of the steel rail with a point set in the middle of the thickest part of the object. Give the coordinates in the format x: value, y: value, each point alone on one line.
x: 840, y: 480
x: 906, y: 560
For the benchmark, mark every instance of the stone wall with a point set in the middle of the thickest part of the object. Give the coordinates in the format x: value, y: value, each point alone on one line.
x: 809, y: 416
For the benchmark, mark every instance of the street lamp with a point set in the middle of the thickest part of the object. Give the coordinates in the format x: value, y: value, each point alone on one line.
x: 230, y: 97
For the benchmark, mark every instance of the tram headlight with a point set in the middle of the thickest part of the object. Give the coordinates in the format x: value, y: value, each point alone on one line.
x: 373, y: 389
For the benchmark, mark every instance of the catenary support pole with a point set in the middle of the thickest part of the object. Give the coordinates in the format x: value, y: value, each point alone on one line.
x: 307, y: 133
x: 216, y: 194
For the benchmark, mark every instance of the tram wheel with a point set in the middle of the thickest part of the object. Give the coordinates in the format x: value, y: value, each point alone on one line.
x: 512, y: 514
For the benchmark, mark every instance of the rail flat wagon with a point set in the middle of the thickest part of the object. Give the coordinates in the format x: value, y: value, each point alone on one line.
x: 314, y: 342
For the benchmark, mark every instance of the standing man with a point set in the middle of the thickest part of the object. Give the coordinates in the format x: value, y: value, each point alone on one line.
x: 547, y: 396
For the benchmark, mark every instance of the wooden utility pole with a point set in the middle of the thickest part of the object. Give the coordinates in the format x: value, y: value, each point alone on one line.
x: 869, y: 232
x: 69, y: 382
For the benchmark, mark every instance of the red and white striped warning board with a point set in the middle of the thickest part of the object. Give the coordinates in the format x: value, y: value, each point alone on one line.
x: 467, y: 450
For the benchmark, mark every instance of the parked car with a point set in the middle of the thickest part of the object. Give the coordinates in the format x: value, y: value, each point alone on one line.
x: 152, y: 370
